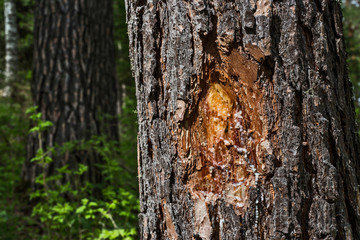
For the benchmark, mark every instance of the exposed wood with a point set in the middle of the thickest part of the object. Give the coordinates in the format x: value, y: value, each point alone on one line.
x: 246, y: 120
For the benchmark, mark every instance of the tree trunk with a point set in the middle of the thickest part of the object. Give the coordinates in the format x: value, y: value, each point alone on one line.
x: 11, y: 58
x: 246, y: 120
x: 348, y: 3
x: 74, y: 80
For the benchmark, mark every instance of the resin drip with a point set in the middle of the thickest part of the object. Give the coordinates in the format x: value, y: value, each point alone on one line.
x: 224, y: 163
x: 219, y: 142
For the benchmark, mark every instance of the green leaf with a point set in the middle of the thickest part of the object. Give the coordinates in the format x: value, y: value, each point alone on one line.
x: 84, y: 201
x: 82, y: 168
x: 34, y: 159
x: 45, y: 125
x: 31, y: 109
x: 48, y: 159
x: 34, y: 129
x: 40, y: 152
x: 93, y: 204
x: 80, y: 209
x: 64, y: 169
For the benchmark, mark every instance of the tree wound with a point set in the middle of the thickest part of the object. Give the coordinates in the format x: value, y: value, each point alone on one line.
x: 224, y: 136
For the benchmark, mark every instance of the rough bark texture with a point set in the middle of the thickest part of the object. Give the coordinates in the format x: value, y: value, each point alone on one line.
x: 11, y: 57
x: 246, y: 120
x: 74, y: 79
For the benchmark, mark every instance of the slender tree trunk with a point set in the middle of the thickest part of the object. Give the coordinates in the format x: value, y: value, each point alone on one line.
x: 74, y: 80
x: 246, y: 120
x: 348, y: 3
x: 11, y: 34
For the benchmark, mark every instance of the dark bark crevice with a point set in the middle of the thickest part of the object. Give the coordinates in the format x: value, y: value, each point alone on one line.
x: 284, y: 90
x: 71, y: 65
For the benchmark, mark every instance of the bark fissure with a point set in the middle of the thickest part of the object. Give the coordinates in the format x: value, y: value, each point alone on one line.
x: 253, y: 95
x: 74, y: 83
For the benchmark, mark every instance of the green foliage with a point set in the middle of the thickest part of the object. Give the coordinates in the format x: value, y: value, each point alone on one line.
x: 65, y: 209
x: 13, y: 122
x: 13, y: 136
x: 68, y: 210
x: 25, y: 20
x: 128, y: 136
x: 122, y: 44
x: 351, y: 13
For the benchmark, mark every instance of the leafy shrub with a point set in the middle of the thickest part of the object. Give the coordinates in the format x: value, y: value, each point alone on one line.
x: 13, y: 136
x: 76, y: 213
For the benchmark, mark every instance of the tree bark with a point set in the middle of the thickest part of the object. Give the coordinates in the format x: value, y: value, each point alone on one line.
x: 11, y: 35
x: 74, y: 81
x: 348, y: 3
x: 246, y: 120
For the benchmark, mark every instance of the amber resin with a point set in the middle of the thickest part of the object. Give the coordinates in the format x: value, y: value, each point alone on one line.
x: 224, y: 135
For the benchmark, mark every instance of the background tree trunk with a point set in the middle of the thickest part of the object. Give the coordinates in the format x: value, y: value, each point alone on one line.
x: 246, y: 120
x: 74, y: 80
x: 11, y: 57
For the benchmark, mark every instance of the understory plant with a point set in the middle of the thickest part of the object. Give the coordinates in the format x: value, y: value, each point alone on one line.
x: 65, y: 211
x: 13, y: 129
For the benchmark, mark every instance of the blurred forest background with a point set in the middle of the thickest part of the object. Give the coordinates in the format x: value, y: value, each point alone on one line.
x: 64, y: 211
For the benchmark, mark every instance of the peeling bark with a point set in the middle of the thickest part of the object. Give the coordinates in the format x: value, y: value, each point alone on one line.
x: 74, y: 82
x: 246, y: 120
